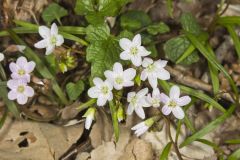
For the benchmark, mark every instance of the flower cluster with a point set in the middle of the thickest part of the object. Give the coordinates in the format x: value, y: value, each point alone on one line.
x: 18, y: 85
x: 150, y: 70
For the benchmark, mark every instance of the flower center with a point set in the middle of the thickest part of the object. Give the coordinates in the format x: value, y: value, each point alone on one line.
x: 119, y: 80
x: 20, y: 89
x: 172, y: 104
x: 21, y: 72
x: 104, y: 90
x: 134, y: 100
x: 150, y: 68
x: 155, y: 101
x: 134, y: 50
x: 53, y: 40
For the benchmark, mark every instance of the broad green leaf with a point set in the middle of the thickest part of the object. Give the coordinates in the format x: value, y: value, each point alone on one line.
x: 189, y: 23
x: 113, y: 110
x: 52, y: 12
x: 126, y: 34
x: 165, y: 152
x: 235, y: 38
x: 235, y: 155
x: 210, y: 127
x: 175, y: 47
x: 160, y: 27
x: 134, y: 20
x: 97, y: 33
x: 74, y: 89
x: 152, y: 48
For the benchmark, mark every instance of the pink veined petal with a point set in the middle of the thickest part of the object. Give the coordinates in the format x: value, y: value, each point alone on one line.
x: 12, y: 84
x: 49, y: 49
x: 125, y: 43
x: 163, y: 74
x: 29, y: 91
x: 44, y: 31
x: 21, y: 62
x: 152, y: 81
x: 60, y: 40
x: 22, y: 99
x: 12, y: 95
x: 161, y: 63
x: 97, y: 81
x: 140, y: 112
x: 101, y: 101
x: 136, y: 60
x: 164, y: 98
x: 137, y: 40
x: 166, y: 110
x: 41, y: 44
x: 29, y: 67
x: 178, y: 112
x: 142, y: 92
x: 125, y: 55
x: 129, y: 73
x: 93, y: 92
x: 54, y: 29
x: 117, y: 67
x: 13, y: 67
x: 130, y: 109
x: 182, y: 101
x: 143, y: 75
x: 174, y: 92
x: 146, y: 62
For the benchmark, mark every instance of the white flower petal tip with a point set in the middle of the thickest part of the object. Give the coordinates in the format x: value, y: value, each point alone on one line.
x: 21, y: 48
x: 20, y: 91
x: 174, y: 102
x: 50, y: 40
x: 1, y: 57
x: 89, y: 115
x: 142, y: 127
x: 153, y: 70
x: 120, y: 78
x: 102, y: 91
x: 133, y: 50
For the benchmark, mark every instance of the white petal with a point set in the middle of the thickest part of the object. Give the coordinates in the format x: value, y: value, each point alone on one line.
x: 174, y: 92
x: 156, y: 93
x: 22, y: 99
x: 93, y: 92
x: 144, y: 102
x: 117, y: 86
x: 1, y: 57
x: 49, y: 49
x: 44, y: 31
x: 29, y: 91
x: 130, y: 109
x: 142, y: 92
x: 117, y: 67
x: 164, y: 98
x: 128, y: 83
x: 125, y: 55
x: 41, y: 44
x: 143, y: 52
x: 146, y: 62
x: 13, y: 67
x: 60, y: 40
x: 152, y: 81
x: 21, y: 61
x: 136, y: 60
x: 125, y: 43
x: 110, y: 97
x: 178, y: 112
x: 140, y: 112
x: 101, y: 101
x: 12, y: 84
x: 12, y: 95
x: 54, y: 29
x: 139, y: 125
x: 29, y: 67
x: 161, y: 63
x: 97, y: 81
x: 163, y: 74
x: 88, y: 122
x: 21, y: 48
x: 166, y: 110
x: 130, y: 95
x: 140, y: 132
x: 182, y: 101
x: 144, y: 75
x: 137, y: 40
x: 129, y: 73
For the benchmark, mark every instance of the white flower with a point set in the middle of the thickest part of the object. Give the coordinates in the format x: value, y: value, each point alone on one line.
x: 21, y: 48
x: 120, y: 78
x: 51, y: 38
x: 19, y: 90
x: 173, y: 103
x: 142, y: 127
x: 22, y: 69
x: 136, y: 102
x: 154, y: 71
x: 1, y: 57
x: 89, y: 115
x: 154, y: 100
x: 102, y: 91
x: 133, y: 50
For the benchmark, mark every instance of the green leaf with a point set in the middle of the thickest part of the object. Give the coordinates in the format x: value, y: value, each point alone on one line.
x: 189, y: 23
x: 160, y: 27
x: 3, y: 118
x: 235, y: 38
x: 175, y: 48
x: 74, y: 89
x: 165, y: 152
x: 52, y: 12
x: 170, y: 8
x: 210, y: 127
x: 228, y: 20
x: 126, y: 34
x: 51, y: 63
x: 235, y: 155
x: 211, y: 144
x: 232, y: 141
x: 134, y: 20
x: 152, y: 48
x: 114, y: 119
x: 103, y: 51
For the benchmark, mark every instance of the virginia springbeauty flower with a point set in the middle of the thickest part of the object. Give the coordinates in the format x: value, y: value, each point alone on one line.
x: 22, y: 69
x: 1, y: 57
x: 102, y: 91
x: 137, y: 101
x: 89, y: 115
x: 133, y: 50
x: 120, y: 78
x: 51, y: 38
x: 142, y: 127
x: 154, y: 100
x: 19, y: 90
x: 154, y: 71
x: 173, y: 103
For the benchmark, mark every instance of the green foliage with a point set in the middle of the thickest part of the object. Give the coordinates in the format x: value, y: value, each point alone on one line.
x: 134, y: 20
x: 235, y: 155
x: 126, y: 34
x: 160, y: 27
x: 103, y: 51
x: 74, y: 89
x: 189, y: 23
x: 165, y: 152
x: 52, y: 12
x: 96, y: 11
x: 113, y: 110
x: 175, y: 47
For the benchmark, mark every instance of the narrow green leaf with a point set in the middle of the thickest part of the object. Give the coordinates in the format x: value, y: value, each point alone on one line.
x: 18, y: 30
x: 235, y: 155
x: 164, y: 85
x: 235, y: 38
x: 170, y: 8
x: 189, y: 124
x: 113, y: 110
x: 3, y: 118
x: 187, y: 53
x: 210, y: 127
x: 228, y: 20
x: 165, y: 152
x: 232, y: 141
x: 86, y: 104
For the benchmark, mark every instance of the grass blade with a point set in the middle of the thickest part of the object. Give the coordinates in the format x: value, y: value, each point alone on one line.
x: 165, y: 152
x: 232, y: 141
x: 228, y: 20
x: 2, y: 120
x: 189, y: 51
x: 210, y: 127
x: 235, y: 38
x: 113, y: 110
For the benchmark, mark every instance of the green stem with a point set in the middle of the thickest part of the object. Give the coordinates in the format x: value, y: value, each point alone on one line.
x: 86, y: 104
